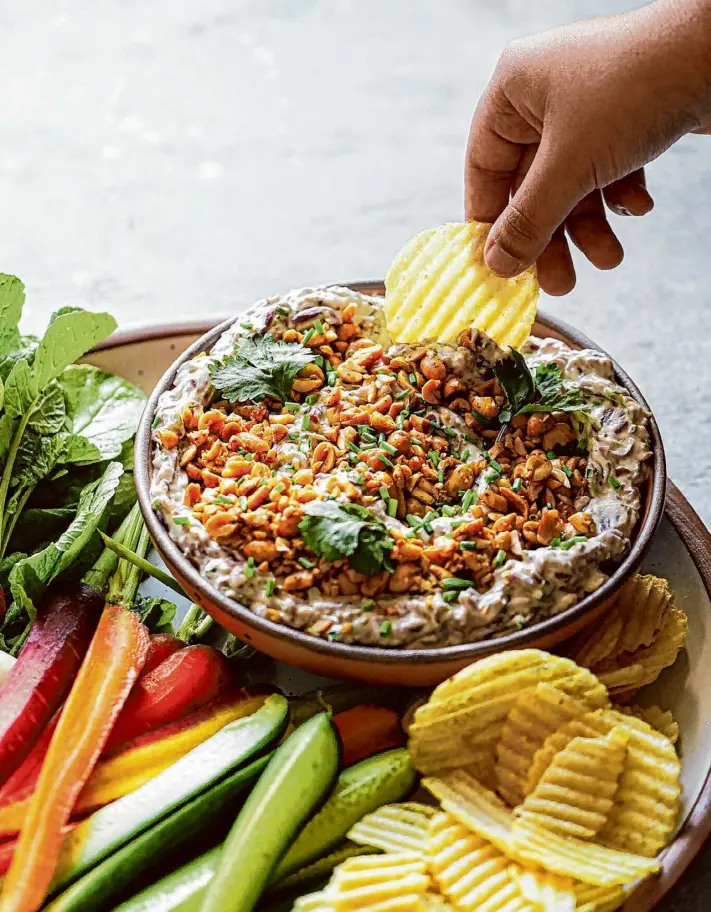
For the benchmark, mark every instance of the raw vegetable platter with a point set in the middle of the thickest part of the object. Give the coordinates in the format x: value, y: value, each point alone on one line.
x: 140, y: 357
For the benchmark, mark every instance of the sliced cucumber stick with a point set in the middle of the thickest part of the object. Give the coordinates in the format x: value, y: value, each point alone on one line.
x: 181, y: 891
x: 117, y: 823
x: 298, y: 777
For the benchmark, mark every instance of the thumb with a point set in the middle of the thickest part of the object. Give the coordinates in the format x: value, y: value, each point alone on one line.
x: 548, y: 193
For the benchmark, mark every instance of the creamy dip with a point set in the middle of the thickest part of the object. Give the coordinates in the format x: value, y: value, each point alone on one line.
x: 538, y: 583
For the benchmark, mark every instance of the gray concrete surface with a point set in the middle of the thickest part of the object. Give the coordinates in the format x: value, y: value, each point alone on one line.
x: 168, y: 158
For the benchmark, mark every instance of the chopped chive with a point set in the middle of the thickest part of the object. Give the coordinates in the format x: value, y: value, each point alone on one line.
x: 282, y: 311
x: 181, y: 520
x: 333, y: 635
x: 450, y: 432
x: 467, y: 500
x: 430, y: 516
x: 496, y: 466
x: 414, y: 521
x: 305, y: 422
x: 389, y: 448
x: 402, y: 395
x: 551, y: 455
x: 292, y: 406
x: 499, y: 559
x: 367, y: 605
x: 568, y: 471
x: 614, y: 482
x: 400, y: 421
x: 517, y: 485
x: 474, y: 440
x: 447, y: 510
x: 318, y: 361
x: 318, y: 326
x: 386, y: 628
x: 555, y: 543
x: 332, y: 378
x: 451, y: 596
x: 392, y: 507
x: 305, y: 563
x: 293, y: 436
x: 453, y: 582
x: 246, y: 326
x: 279, y: 488
x: 312, y: 399
x: 412, y: 378
x: 309, y: 335
x: 467, y: 546
x: 243, y: 502
x: 464, y: 455
x: 269, y: 588
x: 440, y: 476
x: 156, y: 421
x: 385, y: 460
x: 249, y: 569
x: 433, y: 456
x: 352, y: 447
x: 575, y: 540
x: 249, y: 457
x: 491, y: 477
x: 384, y: 493
x: 221, y: 499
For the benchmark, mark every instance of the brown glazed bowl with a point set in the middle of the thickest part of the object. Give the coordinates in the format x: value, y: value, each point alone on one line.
x: 409, y: 667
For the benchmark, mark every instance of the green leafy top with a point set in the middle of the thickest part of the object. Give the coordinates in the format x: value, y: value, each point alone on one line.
x: 334, y: 530
x: 260, y: 366
x: 544, y: 391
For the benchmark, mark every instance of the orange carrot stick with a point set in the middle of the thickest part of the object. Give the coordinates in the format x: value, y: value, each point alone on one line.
x: 114, y: 660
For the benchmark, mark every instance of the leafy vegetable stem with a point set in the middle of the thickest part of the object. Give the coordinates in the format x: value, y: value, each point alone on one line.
x: 98, y: 576
x: 194, y: 625
x: 10, y: 527
x: 7, y: 473
x: 141, y: 563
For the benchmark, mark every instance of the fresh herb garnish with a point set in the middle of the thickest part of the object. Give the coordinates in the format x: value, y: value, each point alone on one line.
x: 544, y: 391
x: 386, y: 628
x: 260, y: 366
x: 614, y: 482
x: 335, y: 530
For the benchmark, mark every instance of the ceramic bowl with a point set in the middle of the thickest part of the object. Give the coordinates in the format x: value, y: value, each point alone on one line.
x: 410, y: 667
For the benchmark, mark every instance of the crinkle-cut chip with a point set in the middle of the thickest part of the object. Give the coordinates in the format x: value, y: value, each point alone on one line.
x: 461, y: 722
x: 575, y: 858
x: 547, y: 892
x: 438, y: 285
x: 646, y: 804
x: 436, y: 903
x: 645, y: 665
x: 395, y: 827
x: 536, y: 714
x: 587, y: 726
x: 599, y: 641
x: 575, y: 794
x: 473, y: 805
x: 660, y: 719
x: 599, y: 899
x: 312, y: 902
x: 630, y: 624
x: 380, y: 883
x: 469, y: 870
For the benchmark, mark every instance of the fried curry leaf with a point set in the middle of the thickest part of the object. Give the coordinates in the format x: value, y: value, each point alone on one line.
x: 335, y: 530
x: 543, y: 392
x: 260, y: 366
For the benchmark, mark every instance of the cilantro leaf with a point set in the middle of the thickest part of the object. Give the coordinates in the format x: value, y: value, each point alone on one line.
x: 334, y: 530
x: 543, y: 392
x: 260, y: 366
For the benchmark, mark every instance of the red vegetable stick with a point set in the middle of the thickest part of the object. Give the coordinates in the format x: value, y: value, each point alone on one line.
x: 184, y: 682
x: 161, y: 647
x: 40, y: 679
x: 367, y: 730
x: 23, y: 780
x: 7, y: 849
x: 112, y: 664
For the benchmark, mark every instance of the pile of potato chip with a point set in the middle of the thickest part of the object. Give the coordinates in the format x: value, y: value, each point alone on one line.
x: 551, y: 798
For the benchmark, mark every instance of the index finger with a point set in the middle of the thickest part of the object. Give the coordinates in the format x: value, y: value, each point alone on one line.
x: 491, y: 161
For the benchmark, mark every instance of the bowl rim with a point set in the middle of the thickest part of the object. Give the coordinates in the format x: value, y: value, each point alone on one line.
x: 378, y: 654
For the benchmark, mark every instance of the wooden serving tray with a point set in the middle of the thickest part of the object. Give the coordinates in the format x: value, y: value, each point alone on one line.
x: 681, y: 552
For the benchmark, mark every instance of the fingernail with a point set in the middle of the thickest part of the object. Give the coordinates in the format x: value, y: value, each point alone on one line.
x: 620, y: 210
x: 501, y: 262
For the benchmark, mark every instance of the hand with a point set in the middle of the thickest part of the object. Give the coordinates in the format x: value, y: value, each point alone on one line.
x: 566, y: 124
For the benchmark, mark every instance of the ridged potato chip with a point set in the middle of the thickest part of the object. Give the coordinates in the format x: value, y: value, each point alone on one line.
x: 461, y: 723
x: 632, y: 622
x: 436, y: 903
x: 646, y: 804
x: 438, y: 285
x: 645, y: 665
x: 536, y: 714
x: 395, y: 827
x: 575, y: 858
x: 471, y: 871
x: 547, y: 892
x: 379, y: 883
x: 660, y: 719
x: 575, y: 794
x: 599, y: 899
